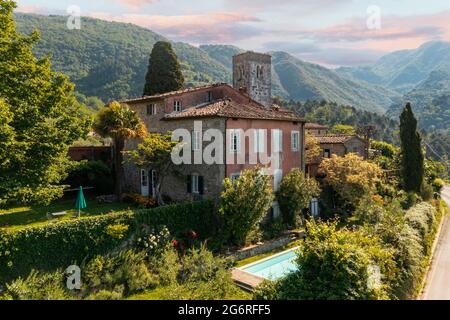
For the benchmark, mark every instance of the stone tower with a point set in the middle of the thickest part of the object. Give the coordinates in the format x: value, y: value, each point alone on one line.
x: 252, y: 72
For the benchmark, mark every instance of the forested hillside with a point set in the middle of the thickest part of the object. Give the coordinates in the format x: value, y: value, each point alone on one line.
x: 109, y: 60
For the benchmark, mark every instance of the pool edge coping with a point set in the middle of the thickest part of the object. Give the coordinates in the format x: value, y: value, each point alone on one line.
x: 265, y: 259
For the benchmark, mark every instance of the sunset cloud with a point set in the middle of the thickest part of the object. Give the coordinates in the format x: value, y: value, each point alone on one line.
x: 330, y: 32
x: 214, y: 27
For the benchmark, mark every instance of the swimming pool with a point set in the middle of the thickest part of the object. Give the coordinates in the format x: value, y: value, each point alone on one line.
x: 274, y: 267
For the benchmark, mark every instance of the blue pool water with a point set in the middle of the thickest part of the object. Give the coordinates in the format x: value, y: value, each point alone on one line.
x: 274, y: 268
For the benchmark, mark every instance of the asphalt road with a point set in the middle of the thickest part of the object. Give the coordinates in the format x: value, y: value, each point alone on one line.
x: 438, y: 281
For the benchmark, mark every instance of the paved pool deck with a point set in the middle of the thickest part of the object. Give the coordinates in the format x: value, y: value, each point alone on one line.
x: 246, y: 280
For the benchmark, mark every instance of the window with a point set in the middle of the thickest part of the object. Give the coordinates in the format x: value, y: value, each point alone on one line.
x: 259, y: 140
x: 196, y: 141
x: 195, y: 184
x: 277, y: 141
x: 295, y: 139
x: 144, y: 178
x: 259, y: 72
x: 209, y: 96
x: 277, y: 177
x: 177, y: 106
x: 327, y: 153
x: 235, y: 140
x: 151, y: 109
x: 234, y: 177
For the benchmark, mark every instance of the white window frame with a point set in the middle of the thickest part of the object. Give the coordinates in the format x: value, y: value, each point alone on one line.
x: 295, y: 140
x: 235, y: 140
x: 277, y: 178
x: 194, y: 184
x: 144, y: 178
x: 196, y: 141
x: 259, y: 140
x: 277, y: 140
x: 177, y: 107
x: 151, y: 109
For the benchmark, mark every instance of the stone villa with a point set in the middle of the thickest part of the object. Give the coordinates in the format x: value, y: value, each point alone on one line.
x: 232, y: 110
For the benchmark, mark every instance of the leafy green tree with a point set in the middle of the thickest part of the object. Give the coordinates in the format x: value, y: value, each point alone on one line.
x: 339, y: 264
x: 412, y: 158
x: 155, y: 152
x: 119, y: 122
x: 312, y: 148
x: 350, y: 176
x: 164, y: 74
x: 39, y: 117
x: 295, y: 194
x: 343, y: 129
x: 244, y: 204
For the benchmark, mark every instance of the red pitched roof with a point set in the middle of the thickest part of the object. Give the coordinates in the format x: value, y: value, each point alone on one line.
x: 228, y: 108
x: 315, y: 126
x: 173, y: 93
x: 335, y: 139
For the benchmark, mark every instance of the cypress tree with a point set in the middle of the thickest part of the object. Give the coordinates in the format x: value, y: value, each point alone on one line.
x: 164, y: 74
x: 412, y: 158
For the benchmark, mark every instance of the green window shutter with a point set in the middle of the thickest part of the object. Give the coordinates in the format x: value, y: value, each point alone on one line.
x: 200, y: 185
x: 189, y: 184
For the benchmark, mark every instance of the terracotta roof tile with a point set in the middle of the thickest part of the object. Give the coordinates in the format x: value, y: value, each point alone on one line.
x: 312, y: 126
x: 334, y: 139
x: 228, y: 108
x: 173, y: 93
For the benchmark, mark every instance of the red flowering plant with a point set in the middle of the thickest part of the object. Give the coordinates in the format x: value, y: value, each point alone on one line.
x: 186, y: 240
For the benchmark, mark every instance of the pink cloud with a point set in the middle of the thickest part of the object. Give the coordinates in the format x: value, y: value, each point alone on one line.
x: 31, y: 8
x: 213, y: 27
x: 395, y: 33
x: 136, y: 3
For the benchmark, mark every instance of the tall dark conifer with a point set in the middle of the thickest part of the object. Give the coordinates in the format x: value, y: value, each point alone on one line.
x: 164, y: 74
x: 412, y: 157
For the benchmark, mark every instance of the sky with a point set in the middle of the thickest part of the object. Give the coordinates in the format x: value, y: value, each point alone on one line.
x: 329, y: 32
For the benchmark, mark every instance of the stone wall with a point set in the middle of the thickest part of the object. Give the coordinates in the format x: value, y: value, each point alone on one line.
x: 252, y: 71
x: 175, y: 185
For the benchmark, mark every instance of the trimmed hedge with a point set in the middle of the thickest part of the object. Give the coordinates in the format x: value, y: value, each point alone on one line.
x: 61, y: 244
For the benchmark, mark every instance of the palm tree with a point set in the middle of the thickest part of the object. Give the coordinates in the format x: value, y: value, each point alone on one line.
x: 118, y: 122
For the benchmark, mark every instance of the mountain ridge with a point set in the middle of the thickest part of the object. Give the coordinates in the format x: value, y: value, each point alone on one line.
x: 109, y: 60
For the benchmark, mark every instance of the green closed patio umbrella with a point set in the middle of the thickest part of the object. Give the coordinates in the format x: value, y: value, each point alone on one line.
x: 81, y: 202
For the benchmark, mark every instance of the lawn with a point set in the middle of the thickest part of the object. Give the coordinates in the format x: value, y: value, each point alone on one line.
x: 20, y: 217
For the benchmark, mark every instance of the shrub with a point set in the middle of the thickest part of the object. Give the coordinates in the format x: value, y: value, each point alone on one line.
x: 126, y: 271
x: 91, y: 173
x: 295, y: 194
x: 37, y: 286
x: 139, y: 200
x: 266, y: 291
x: 337, y: 264
x: 53, y: 246
x: 64, y: 243
x: 350, y: 177
x: 438, y: 185
x: 426, y: 191
x: 201, y: 276
x: 117, y: 231
x: 244, y: 205
x: 421, y: 218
